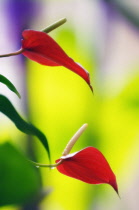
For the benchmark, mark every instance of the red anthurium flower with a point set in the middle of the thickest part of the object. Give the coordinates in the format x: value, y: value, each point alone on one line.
x: 40, y: 47
x: 88, y: 165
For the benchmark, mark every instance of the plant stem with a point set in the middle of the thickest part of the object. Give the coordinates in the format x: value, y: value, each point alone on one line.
x: 12, y: 54
x: 46, y: 165
x: 54, y: 25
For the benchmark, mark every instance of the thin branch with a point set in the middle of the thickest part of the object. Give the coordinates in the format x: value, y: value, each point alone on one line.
x: 12, y: 54
x: 46, y: 165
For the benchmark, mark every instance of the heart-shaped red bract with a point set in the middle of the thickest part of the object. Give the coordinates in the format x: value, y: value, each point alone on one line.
x: 40, y: 47
x: 88, y: 165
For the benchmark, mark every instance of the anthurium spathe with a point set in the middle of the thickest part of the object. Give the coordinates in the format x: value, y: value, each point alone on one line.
x: 40, y: 47
x: 88, y: 165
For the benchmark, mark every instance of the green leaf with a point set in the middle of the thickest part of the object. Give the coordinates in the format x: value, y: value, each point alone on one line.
x: 6, y: 82
x: 19, y: 180
x: 8, y: 109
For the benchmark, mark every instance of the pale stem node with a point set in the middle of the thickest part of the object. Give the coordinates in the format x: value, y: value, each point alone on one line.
x: 54, y: 25
x: 74, y: 139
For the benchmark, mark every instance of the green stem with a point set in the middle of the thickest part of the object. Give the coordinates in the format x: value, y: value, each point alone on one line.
x: 46, y: 165
x: 54, y: 25
x: 12, y: 54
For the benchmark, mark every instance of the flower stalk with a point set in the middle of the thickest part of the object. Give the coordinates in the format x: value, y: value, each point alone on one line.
x: 12, y: 54
x: 46, y: 165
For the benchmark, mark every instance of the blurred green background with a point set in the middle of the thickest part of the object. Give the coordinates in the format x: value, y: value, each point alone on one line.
x: 103, y: 37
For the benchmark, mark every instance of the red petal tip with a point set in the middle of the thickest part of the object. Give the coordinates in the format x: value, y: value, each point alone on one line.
x: 114, y: 186
x: 91, y: 88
